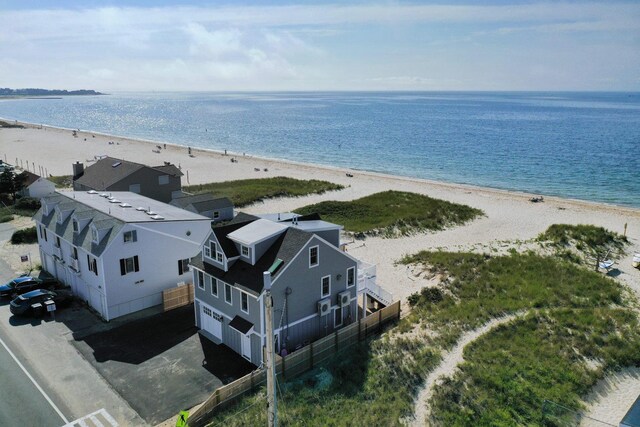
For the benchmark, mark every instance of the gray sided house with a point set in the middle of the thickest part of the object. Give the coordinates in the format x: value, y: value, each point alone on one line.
x: 216, y: 208
x: 313, y: 283
x: 160, y: 183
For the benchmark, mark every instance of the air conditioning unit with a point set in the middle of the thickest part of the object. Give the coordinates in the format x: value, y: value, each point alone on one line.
x: 324, y: 307
x: 344, y: 298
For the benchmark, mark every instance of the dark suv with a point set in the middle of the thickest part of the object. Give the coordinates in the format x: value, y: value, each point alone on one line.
x: 33, y: 303
x: 24, y: 284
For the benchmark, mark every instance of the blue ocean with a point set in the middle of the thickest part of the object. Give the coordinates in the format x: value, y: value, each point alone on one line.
x: 576, y: 145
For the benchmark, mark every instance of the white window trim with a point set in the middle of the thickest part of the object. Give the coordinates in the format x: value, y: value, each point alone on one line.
x: 201, y: 284
x: 244, y: 294
x: 337, y: 325
x: 242, y: 249
x: 95, y: 235
x: 207, y: 249
x: 75, y: 224
x: 354, y: 277
x: 230, y: 302
x: 317, y: 247
x: 322, y: 284
x: 217, y: 288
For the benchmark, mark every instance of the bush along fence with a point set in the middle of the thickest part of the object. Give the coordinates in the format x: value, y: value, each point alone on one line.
x: 298, y: 362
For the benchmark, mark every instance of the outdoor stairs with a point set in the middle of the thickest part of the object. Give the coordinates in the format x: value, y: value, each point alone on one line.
x: 367, y: 284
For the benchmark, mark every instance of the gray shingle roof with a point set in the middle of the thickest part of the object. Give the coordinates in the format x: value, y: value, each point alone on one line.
x: 250, y: 277
x: 102, y: 174
x: 202, y: 202
x: 83, y: 238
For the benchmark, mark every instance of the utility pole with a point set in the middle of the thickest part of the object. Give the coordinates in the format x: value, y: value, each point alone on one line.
x: 272, y: 410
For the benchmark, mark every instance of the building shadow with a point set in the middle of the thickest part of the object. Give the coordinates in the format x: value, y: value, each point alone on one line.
x: 142, y: 339
x: 224, y: 363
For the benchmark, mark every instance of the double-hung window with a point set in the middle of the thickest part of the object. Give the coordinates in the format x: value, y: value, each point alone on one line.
x: 93, y: 265
x: 313, y: 256
x: 244, y: 250
x: 351, y: 277
x: 214, y: 286
x: 183, y: 266
x: 244, y: 302
x: 130, y: 236
x: 326, y: 286
x: 227, y: 293
x: 201, y: 280
x: 129, y: 265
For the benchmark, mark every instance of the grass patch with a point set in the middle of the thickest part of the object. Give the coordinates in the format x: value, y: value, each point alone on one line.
x: 18, y: 210
x: 247, y: 191
x: 4, y: 124
x: 509, y: 372
x: 574, y: 316
x: 62, y: 181
x: 28, y: 235
x: 393, y: 213
x: 584, y: 243
x: 366, y: 384
x: 478, y: 288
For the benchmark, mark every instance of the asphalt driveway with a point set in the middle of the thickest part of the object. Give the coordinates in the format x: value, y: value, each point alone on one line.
x: 160, y: 364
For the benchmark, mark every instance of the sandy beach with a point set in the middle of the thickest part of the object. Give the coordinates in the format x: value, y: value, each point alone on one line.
x: 511, y: 220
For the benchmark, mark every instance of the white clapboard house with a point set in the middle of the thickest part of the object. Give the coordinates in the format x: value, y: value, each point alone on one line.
x: 117, y: 251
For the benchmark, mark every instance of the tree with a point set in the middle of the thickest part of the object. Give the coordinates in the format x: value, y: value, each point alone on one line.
x: 11, y: 183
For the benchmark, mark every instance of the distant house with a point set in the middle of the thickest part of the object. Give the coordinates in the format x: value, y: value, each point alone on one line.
x: 108, y: 174
x: 216, y: 208
x: 36, y: 186
x: 120, y: 252
x: 313, y: 283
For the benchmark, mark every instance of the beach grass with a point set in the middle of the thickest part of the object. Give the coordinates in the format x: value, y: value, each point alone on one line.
x: 393, y: 213
x: 247, y: 191
x: 550, y: 355
x: 567, y: 311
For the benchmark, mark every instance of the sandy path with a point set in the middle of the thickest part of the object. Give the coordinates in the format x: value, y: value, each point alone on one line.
x: 448, y: 365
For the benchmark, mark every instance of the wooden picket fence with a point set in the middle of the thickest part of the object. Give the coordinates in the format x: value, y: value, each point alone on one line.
x: 177, y: 297
x: 297, y: 362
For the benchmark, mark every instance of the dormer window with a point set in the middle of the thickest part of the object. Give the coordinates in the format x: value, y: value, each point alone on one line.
x: 76, y: 226
x: 94, y: 235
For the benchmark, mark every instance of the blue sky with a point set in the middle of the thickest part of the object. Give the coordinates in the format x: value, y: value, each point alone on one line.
x: 305, y: 45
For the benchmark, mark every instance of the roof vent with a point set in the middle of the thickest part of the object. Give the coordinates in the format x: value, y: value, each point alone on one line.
x: 151, y: 213
x: 141, y: 209
x: 116, y: 164
x: 125, y: 205
x: 114, y: 201
x: 92, y: 192
x: 157, y: 217
x: 104, y: 195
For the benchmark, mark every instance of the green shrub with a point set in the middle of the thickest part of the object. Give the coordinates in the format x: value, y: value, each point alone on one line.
x: 28, y: 203
x: 6, y: 218
x: 28, y: 235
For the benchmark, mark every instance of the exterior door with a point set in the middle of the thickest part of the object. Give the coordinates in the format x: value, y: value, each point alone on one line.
x: 209, y: 323
x: 246, y: 346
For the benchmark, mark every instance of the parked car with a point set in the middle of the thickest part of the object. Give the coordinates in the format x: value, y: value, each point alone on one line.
x: 21, y: 285
x: 33, y: 303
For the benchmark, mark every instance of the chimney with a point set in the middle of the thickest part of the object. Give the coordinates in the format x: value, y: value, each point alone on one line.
x: 78, y: 170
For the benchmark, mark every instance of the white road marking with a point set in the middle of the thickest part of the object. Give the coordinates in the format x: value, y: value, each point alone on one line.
x: 92, y: 420
x: 53, y: 405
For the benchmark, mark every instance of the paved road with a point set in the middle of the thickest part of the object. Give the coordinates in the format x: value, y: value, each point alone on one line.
x: 21, y: 402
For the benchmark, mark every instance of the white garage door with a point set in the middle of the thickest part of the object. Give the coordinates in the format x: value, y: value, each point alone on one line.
x: 209, y: 321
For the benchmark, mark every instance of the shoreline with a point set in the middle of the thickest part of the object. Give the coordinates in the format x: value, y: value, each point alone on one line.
x: 382, y: 175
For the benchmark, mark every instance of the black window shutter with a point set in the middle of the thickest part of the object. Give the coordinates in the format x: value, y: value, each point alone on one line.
x: 123, y: 268
x: 95, y: 267
x: 180, y: 267
x: 134, y: 235
x: 136, y: 266
x: 88, y: 262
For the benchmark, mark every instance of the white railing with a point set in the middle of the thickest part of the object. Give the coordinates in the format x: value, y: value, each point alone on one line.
x: 57, y: 252
x: 74, y: 265
x: 367, y: 284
